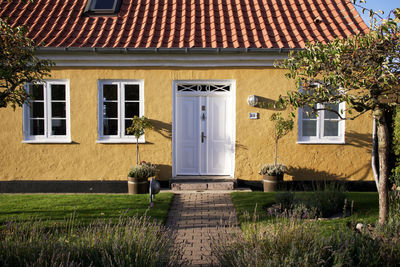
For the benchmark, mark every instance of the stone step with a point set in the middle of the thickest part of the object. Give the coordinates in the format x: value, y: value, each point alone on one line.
x: 202, y: 183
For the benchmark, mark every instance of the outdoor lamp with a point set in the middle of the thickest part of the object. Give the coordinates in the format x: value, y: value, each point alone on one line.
x: 252, y: 100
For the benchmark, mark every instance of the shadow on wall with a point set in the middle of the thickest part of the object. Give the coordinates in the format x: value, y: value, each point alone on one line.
x: 300, y: 173
x: 165, y: 171
x: 165, y: 129
x: 360, y: 140
x: 267, y: 103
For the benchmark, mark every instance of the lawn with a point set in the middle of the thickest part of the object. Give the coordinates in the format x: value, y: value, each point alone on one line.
x: 246, y: 203
x: 85, y: 207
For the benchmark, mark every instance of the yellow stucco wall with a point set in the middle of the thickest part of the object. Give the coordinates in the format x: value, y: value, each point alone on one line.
x: 85, y: 159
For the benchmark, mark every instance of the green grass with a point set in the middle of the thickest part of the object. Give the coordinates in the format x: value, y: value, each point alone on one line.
x: 87, y: 207
x: 365, y: 207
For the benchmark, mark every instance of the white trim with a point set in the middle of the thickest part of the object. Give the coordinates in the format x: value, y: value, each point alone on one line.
x: 320, y: 138
x: 48, y: 137
x: 54, y: 141
x: 232, y: 95
x: 163, y: 60
x: 120, y: 137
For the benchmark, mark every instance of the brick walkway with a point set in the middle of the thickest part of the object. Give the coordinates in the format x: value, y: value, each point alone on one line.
x: 197, y: 218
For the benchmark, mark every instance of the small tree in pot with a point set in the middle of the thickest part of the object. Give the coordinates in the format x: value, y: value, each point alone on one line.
x: 138, y: 175
x: 272, y: 173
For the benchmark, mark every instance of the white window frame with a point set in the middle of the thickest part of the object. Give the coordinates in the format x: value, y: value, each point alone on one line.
x: 320, y: 138
x: 47, y: 137
x: 120, y: 137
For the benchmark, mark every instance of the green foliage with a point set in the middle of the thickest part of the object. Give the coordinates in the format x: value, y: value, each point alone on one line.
x: 137, y: 129
x: 293, y: 243
x: 323, y: 201
x: 282, y: 126
x: 132, y: 241
x: 272, y: 169
x: 396, y: 140
x: 365, y: 207
x: 143, y: 171
x: 53, y: 208
x: 139, y: 126
x: 361, y: 70
x: 18, y: 65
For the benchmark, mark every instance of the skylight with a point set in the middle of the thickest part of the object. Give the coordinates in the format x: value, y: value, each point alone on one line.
x: 102, y: 6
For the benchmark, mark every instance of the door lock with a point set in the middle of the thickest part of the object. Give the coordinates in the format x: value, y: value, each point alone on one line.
x: 202, y: 137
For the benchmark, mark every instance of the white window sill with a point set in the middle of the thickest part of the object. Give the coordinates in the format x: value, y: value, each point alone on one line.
x: 48, y: 141
x: 120, y: 141
x: 321, y: 142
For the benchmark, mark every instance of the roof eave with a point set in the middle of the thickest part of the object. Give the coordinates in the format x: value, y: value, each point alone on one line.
x: 151, y: 50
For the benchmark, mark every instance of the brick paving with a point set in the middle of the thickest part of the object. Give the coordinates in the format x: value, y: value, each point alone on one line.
x: 197, y: 218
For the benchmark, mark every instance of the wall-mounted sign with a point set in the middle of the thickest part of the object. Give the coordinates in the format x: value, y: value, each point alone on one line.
x: 253, y: 115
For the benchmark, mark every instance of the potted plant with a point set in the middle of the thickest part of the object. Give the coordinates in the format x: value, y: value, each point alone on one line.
x: 139, y: 174
x: 138, y: 178
x: 273, y: 173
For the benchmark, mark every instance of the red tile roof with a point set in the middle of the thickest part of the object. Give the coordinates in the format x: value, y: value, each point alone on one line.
x: 187, y: 23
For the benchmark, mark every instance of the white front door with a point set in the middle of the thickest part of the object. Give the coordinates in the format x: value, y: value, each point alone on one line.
x: 204, y: 138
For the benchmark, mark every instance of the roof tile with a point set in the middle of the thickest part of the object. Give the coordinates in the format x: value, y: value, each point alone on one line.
x: 187, y: 23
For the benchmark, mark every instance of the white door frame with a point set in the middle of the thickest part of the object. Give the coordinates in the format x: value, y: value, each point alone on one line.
x: 231, y: 95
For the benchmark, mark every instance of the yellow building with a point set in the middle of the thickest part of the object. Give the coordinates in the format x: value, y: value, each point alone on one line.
x: 190, y: 68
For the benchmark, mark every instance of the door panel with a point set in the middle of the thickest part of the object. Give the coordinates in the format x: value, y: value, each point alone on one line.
x: 187, y: 135
x: 218, y: 138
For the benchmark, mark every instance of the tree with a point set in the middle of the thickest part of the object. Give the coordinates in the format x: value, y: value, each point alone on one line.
x: 362, y: 71
x: 137, y: 129
x: 281, y: 128
x: 18, y: 65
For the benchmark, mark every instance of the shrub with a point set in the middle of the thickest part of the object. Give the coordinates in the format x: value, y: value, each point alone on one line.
x: 142, y: 171
x: 132, y: 241
x: 273, y: 169
x: 324, y: 201
x: 292, y: 243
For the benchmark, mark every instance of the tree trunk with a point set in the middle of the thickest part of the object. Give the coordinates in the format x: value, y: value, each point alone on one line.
x: 276, y: 151
x: 137, y: 151
x: 383, y: 142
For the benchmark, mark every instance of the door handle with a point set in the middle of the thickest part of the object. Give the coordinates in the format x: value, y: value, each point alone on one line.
x: 202, y: 137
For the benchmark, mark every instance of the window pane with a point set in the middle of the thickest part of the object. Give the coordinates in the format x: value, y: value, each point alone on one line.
x: 37, y: 91
x: 104, y: 4
x: 309, y: 128
x: 127, y: 124
x: 58, y: 110
x: 57, y: 92
x: 110, y: 127
x: 58, y: 127
x: 110, y: 92
x: 37, y: 109
x: 131, y: 92
x: 37, y: 127
x: 307, y: 113
x: 331, y: 128
x: 111, y: 110
x: 131, y: 109
x: 329, y: 114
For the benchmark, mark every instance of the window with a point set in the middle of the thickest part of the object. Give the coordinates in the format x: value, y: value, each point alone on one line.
x: 119, y: 102
x: 46, y: 113
x: 327, y: 127
x: 102, y: 6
